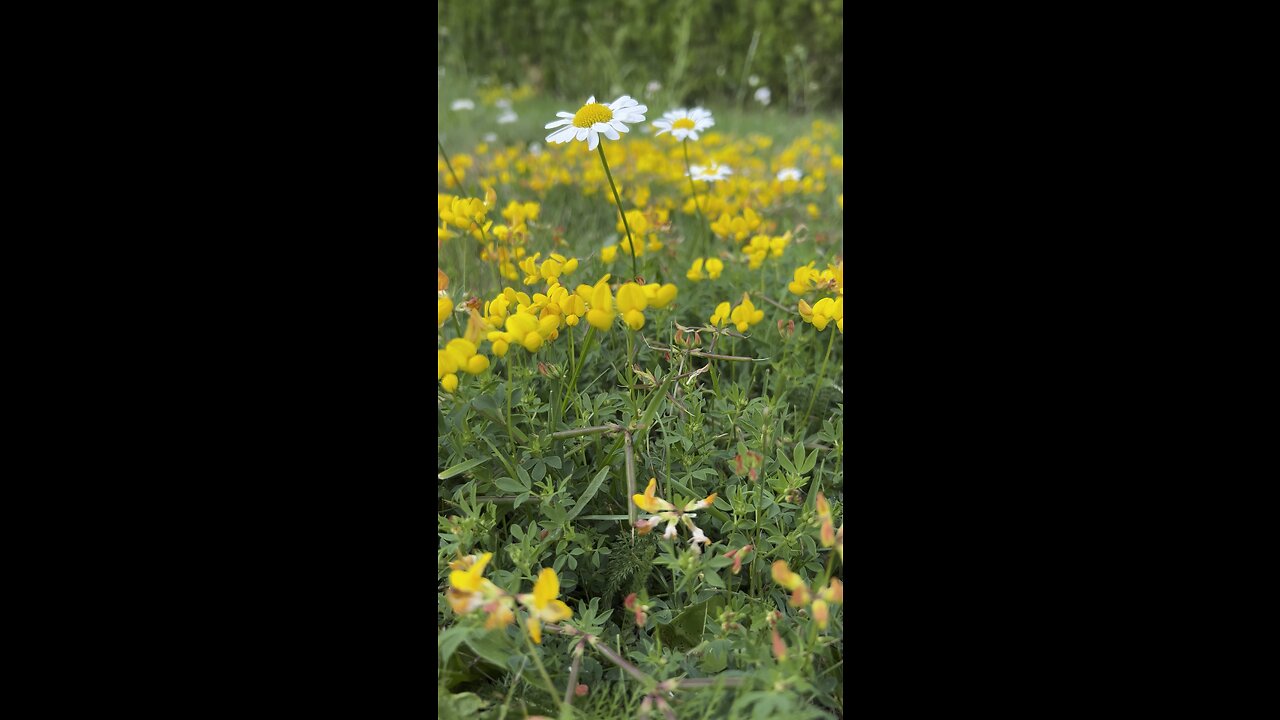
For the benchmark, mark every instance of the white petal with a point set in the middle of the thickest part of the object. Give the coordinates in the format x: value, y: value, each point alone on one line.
x: 608, y: 131
x: 563, y: 135
x: 581, y: 134
x: 564, y: 114
x: 591, y: 100
x: 693, y: 134
x: 557, y: 123
x: 593, y: 138
x: 619, y: 126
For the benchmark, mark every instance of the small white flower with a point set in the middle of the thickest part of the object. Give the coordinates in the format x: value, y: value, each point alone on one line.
x: 789, y: 174
x: 670, y: 532
x: 535, y: 149
x: 463, y: 104
x: 653, y: 87
x: 507, y: 118
x: 683, y: 123
x: 763, y: 96
x: 754, y: 80
x: 594, y: 119
x: 710, y: 173
x: 490, y: 137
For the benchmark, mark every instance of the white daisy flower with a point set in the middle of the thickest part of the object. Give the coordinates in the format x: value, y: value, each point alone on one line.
x: 595, y: 119
x: 789, y: 174
x: 508, y: 117
x: 463, y: 104
x: 763, y: 96
x: 711, y: 173
x: 683, y: 123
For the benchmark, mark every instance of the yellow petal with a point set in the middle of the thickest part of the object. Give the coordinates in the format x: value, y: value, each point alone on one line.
x: 535, y: 630
x: 546, y: 589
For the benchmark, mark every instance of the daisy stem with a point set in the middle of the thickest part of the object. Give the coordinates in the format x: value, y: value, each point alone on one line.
x: 697, y: 206
x: 631, y: 242
x: 805, y: 423
x: 449, y: 165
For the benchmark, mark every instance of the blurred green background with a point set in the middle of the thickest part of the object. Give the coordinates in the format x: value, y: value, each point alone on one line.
x: 698, y: 51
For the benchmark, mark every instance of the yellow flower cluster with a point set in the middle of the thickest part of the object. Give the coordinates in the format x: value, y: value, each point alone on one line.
x: 469, y: 590
x: 808, y: 278
x: 833, y: 594
x: 762, y: 246
x: 458, y: 355
x: 714, y: 268
x: 824, y: 312
x: 743, y: 316
x: 666, y: 512
x: 550, y: 270
x: 737, y: 228
x: 464, y: 213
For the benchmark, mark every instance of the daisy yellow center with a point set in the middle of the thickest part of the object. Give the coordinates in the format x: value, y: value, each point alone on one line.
x: 591, y: 114
x: 682, y: 124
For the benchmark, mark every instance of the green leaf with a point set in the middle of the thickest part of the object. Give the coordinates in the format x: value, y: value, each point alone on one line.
x: 553, y: 461
x: 658, y: 397
x: 461, y: 468
x: 490, y: 648
x: 450, y: 639
x: 506, y: 484
x: 712, y: 578
x: 589, y: 493
x: 798, y: 453
x: 520, y: 500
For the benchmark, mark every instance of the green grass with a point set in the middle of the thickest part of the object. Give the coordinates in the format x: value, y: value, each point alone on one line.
x: 518, y: 486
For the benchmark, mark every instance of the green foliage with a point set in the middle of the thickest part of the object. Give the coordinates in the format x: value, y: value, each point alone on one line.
x: 515, y: 480
x: 696, y: 50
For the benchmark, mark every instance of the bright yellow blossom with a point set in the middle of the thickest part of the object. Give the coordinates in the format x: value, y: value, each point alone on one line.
x: 720, y: 317
x: 543, y: 603
x: 631, y: 303
x: 745, y: 314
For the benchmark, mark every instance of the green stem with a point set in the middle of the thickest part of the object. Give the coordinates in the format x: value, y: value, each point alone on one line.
x: 805, y: 423
x: 618, y: 199
x: 511, y: 433
x: 702, y: 230
x: 536, y: 661
x: 573, y: 381
x: 449, y: 165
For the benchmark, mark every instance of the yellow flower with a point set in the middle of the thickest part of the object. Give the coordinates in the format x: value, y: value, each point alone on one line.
x: 609, y: 253
x: 444, y: 306
x: 543, y: 604
x: 666, y: 512
x: 720, y: 317
x: 695, y: 271
x: 714, y: 267
x: 813, y: 211
x: 601, y: 313
x: 823, y: 313
x: 638, y: 222
x: 468, y: 579
x: 648, y: 502
x: 746, y: 314
x: 631, y: 303
x: 804, y: 279
x: 530, y: 267
x: 660, y: 296
x: 553, y: 267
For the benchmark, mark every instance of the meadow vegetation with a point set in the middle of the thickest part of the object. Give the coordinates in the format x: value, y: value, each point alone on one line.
x: 641, y: 414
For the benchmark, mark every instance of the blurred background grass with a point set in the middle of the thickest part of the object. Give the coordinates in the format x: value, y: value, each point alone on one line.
x: 699, y: 51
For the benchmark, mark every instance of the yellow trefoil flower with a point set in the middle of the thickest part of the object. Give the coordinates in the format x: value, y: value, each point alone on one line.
x: 543, y: 604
